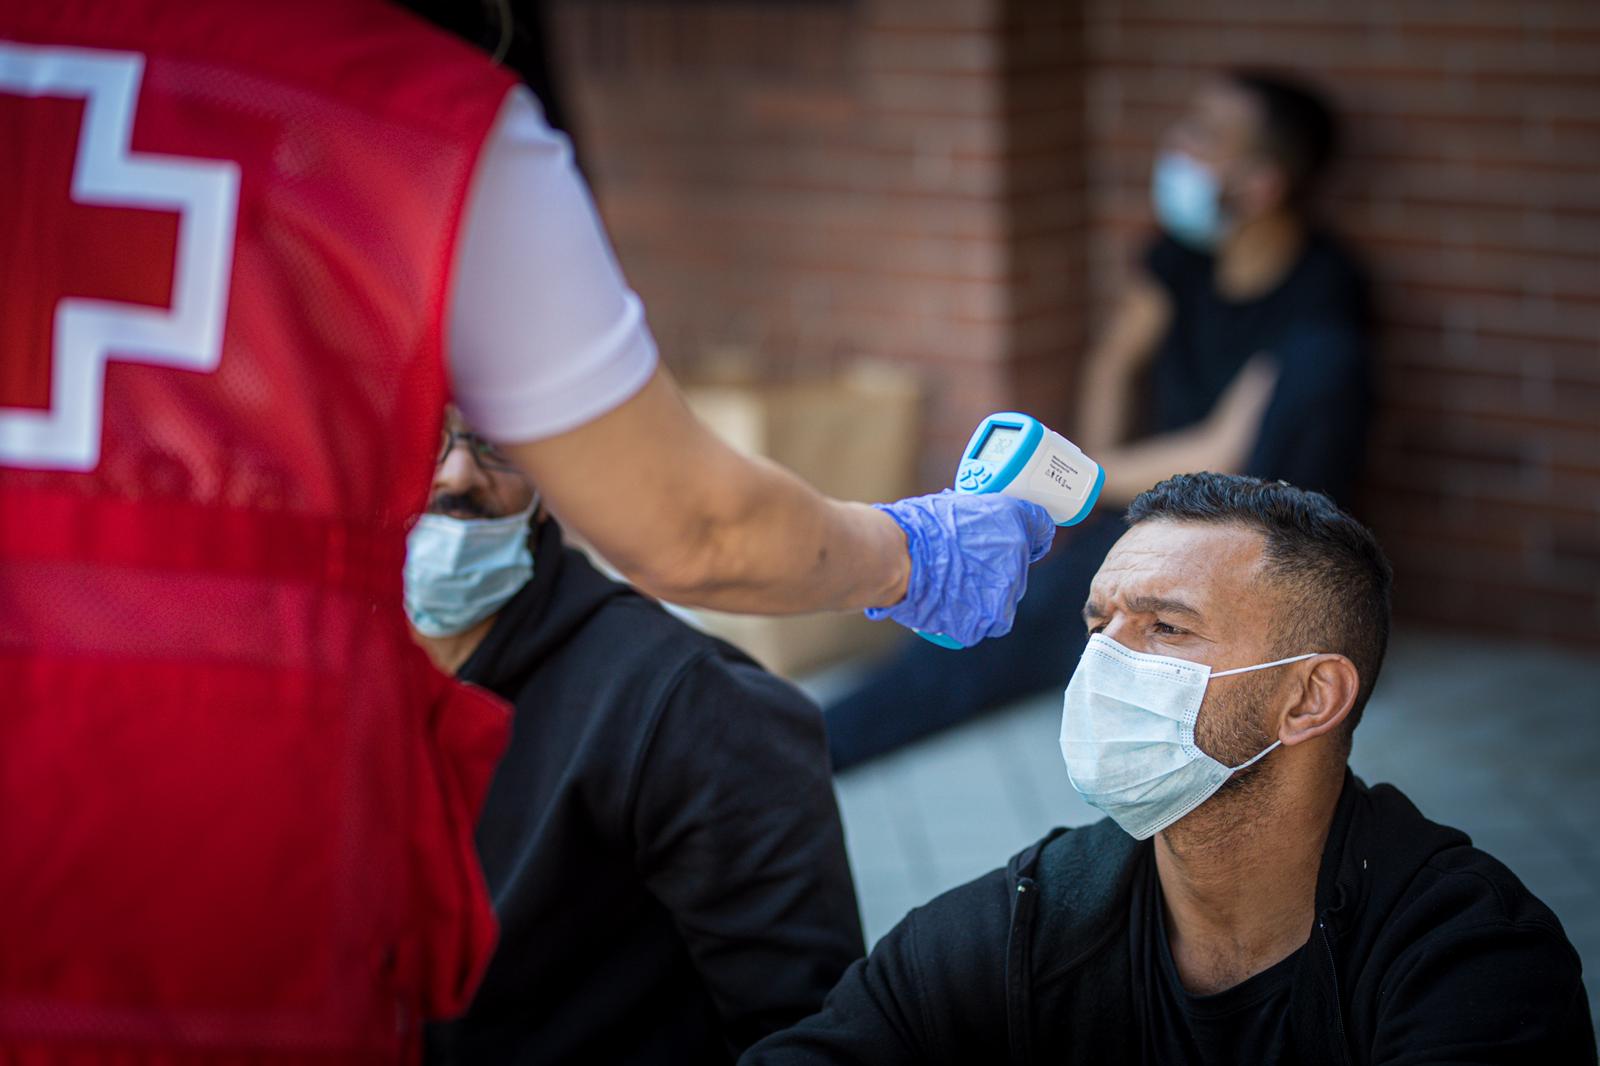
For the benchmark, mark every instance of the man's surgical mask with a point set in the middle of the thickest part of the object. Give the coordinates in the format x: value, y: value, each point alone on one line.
x: 1127, y: 734
x: 1187, y: 199
x: 459, y: 571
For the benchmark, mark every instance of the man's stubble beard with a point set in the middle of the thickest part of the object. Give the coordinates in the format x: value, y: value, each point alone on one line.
x: 1232, y: 729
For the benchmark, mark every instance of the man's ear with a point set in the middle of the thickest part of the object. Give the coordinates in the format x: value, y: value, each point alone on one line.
x: 1328, y: 687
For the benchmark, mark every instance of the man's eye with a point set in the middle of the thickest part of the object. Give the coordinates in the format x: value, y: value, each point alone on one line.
x: 1166, y: 630
x: 1097, y: 629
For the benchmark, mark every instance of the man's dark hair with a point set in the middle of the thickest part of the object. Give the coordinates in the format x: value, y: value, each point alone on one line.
x: 1335, y: 577
x: 1298, y: 129
x: 515, y: 32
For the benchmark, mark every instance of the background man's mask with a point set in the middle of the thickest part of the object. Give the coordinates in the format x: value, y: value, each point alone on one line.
x: 1187, y: 197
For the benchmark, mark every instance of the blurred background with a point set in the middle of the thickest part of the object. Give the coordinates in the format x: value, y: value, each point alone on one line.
x: 960, y: 187
x: 927, y: 207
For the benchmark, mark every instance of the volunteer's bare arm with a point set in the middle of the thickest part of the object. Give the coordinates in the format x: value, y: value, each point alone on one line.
x: 689, y: 519
x: 550, y: 356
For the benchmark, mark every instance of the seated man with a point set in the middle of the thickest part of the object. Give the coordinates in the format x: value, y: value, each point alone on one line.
x: 1248, y: 900
x: 661, y: 840
x: 1240, y: 272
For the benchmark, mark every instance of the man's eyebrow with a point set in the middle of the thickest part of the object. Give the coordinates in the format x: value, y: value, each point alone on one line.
x: 1160, y: 605
x: 1142, y: 605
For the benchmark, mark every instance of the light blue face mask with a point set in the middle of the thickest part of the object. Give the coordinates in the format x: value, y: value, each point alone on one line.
x: 1187, y: 200
x: 459, y: 571
x: 1127, y: 734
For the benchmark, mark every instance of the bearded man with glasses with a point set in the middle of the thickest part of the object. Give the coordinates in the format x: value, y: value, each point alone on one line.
x: 661, y: 840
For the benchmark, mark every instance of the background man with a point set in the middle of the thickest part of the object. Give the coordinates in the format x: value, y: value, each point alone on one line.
x: 1175, y: 383
x: 1248, y: 899
x: 661, y: 839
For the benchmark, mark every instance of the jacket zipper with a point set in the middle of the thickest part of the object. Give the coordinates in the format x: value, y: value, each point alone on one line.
x: 1338, y: 1000
x: 1018, y: 989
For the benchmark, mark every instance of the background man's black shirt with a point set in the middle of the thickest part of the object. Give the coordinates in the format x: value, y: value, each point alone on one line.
x: 1314, y: 323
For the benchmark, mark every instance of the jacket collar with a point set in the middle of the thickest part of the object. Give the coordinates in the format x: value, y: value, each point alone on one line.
x: 1335, y: 883
x: 564, y: 592
x: 1083, y: 882
x: 1376, y: 845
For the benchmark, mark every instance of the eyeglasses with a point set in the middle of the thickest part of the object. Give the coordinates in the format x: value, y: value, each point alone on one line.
x: 484, y: 452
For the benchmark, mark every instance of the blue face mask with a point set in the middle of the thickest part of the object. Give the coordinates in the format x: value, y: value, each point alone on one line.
x: 1127, y: 734
x: 1187, y: 199
x: 460, y: 571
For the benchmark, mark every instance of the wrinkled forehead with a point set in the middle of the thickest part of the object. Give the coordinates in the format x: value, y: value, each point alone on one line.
x: 1213, y: 567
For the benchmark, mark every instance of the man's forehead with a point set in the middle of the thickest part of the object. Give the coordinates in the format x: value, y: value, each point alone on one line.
x: 1204, y: 565
x: 1227, y: 112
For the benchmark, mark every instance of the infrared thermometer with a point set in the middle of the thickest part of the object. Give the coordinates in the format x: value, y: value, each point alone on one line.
x: 1017, y: 455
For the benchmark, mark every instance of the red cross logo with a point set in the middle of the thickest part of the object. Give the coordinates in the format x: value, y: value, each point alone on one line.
x: 106, y: 253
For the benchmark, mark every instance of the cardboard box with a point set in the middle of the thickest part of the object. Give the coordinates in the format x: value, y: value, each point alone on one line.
x: 854, y: 438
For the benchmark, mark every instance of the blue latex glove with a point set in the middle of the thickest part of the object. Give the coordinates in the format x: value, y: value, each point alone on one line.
x: 969, y: 561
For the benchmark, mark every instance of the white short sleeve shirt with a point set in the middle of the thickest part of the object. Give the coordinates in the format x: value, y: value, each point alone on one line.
x: 542, y: 332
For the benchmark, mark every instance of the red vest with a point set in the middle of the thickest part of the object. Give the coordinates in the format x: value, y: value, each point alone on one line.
x: 236, y: 802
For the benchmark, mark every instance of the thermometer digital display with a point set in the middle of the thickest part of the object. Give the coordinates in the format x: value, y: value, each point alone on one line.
x: 997, y: 444
x: 1020, y: 456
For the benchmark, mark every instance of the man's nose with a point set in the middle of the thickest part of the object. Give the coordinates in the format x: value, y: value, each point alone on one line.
x: 458, y: 471
x: 1122, y: 630
x: 1184, y: 137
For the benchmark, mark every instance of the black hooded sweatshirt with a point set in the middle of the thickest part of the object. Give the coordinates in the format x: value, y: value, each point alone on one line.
x: 1424, y: 950
x: 661, y: 839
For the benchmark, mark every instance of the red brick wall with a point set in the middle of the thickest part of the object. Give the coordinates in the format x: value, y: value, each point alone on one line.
x: 823, y: 182
x: 957, y: 185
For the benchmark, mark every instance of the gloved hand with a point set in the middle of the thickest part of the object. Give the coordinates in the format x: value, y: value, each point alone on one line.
x: 969, y: 561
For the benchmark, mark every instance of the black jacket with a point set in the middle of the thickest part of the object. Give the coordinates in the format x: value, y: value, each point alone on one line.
x: 661, y: 840
x: 1425, y: 950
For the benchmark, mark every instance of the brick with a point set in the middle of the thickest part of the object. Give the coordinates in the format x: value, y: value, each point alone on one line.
x: 869, y: 218
x: 1555, y: 364
x: 1498, y: 609
x: 930, y: 18
x: 907, y: 51
x: 1461, y: 307
x: 899, y: 93
x: 1487, y: 13
x: 959, y: 14
x: 1521, y: 228
x: 1426, y: 260
x: 1483, y: 51
x: 1574, y: 451
x: 1506, y: 395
